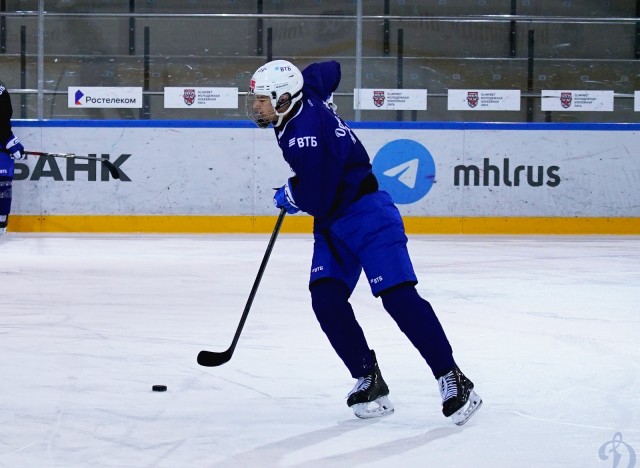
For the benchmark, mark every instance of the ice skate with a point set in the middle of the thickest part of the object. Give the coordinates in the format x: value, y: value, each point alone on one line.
x: 459, y: 401
x: 369, y: 397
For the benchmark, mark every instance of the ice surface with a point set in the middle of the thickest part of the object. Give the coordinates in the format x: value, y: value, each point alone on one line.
x: 547, y: 328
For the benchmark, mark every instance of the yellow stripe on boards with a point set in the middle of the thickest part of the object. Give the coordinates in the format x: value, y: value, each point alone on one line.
x: 521, y: 225
x: 177, y: 224
x: 174, y: 224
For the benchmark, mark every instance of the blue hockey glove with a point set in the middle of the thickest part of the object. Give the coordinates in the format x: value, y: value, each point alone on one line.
x: 15, y: 148
x: 283, y: 198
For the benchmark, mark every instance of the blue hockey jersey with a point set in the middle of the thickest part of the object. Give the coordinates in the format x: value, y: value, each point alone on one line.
x: 329, y: 161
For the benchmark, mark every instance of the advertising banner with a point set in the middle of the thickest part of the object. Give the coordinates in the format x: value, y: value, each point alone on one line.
x: 92, y: 96
x: 546, y: 171
x: 390, y: 99
x: 186, y: 97
x: 484, y: 99
x: 578, y: 101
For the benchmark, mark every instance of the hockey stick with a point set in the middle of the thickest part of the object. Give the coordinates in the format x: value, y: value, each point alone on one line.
x: 214, y: 359
x: 113, y: 170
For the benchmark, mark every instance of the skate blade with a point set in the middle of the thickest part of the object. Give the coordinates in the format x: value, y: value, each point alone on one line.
x: 464, y: 414
x: 377, y: 408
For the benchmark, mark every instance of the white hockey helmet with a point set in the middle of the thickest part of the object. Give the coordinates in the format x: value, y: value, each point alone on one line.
x: 281, y: 82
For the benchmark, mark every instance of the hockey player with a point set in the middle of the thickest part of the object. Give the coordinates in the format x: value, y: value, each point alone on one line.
x: 356, y: 227
x: 10, y: 149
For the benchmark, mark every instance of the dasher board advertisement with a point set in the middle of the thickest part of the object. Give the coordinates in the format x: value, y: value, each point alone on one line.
x: 463, y: 170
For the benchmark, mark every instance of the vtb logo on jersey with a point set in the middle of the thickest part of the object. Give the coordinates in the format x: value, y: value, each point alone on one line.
x: 378, y: 98
x: 565, y: 99
x: 472, y: 98
x: 189, y: 96
x: 303, y: 141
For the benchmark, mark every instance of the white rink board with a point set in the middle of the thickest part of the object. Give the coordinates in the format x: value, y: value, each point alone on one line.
x: 232, y: 171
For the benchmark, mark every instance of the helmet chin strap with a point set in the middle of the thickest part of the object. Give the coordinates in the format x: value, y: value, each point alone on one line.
x: 279, y: 121
x: 281, y: 115
x: 289, y: 103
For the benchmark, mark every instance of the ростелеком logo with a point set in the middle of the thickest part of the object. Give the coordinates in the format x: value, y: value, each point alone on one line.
x: 79, y: 95
x: 405, y: 169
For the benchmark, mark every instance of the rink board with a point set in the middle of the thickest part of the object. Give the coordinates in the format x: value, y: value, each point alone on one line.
x: 219, y: 176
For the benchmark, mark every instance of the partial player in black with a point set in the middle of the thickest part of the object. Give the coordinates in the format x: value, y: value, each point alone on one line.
x: 10, y: 149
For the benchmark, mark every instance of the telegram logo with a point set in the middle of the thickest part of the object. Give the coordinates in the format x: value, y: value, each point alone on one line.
x: 405, y: 169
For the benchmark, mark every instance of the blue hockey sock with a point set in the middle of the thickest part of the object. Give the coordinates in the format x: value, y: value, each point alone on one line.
x: 5, y: 196
x: 330, y: 301
x: 418, y: 321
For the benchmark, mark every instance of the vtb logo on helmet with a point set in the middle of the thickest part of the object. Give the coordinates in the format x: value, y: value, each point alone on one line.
x: 280, y: 82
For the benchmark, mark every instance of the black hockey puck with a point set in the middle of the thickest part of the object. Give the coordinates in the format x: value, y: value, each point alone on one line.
x: 159, y: 388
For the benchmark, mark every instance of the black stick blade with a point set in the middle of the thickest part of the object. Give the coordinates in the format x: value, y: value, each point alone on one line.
x: 212, y: 359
